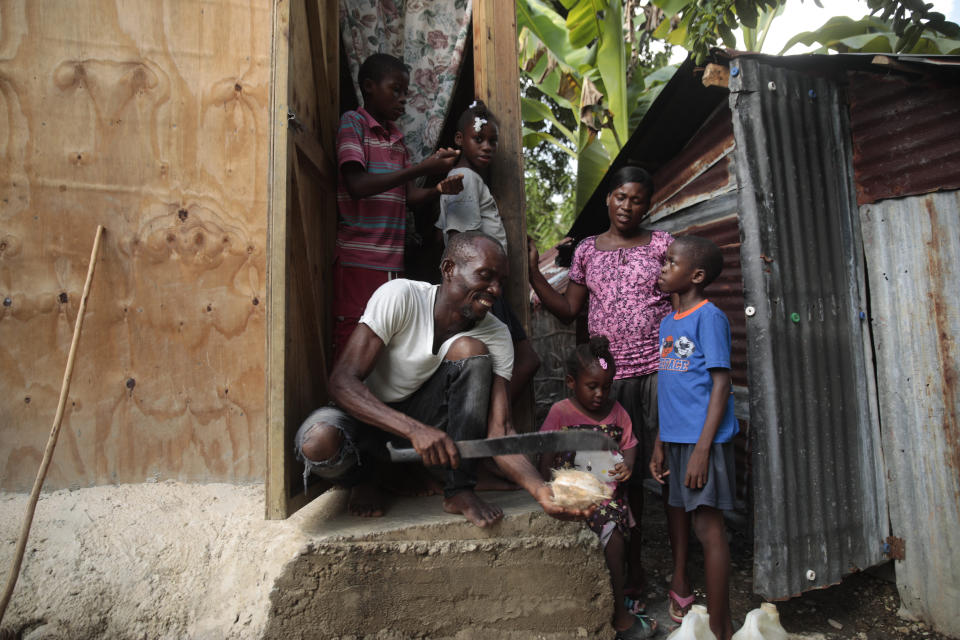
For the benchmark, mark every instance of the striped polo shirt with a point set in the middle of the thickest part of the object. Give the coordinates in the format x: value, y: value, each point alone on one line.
x: 371, y: 230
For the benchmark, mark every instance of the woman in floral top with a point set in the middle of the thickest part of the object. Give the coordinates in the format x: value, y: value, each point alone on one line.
x: 615, y: 274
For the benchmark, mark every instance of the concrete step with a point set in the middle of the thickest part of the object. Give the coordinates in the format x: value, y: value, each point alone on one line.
x: 421, y: 573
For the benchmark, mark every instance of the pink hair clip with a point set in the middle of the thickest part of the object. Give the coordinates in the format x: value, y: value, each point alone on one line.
x: 603, y: 363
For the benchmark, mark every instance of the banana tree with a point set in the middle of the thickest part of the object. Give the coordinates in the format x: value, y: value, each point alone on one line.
x: 587, y: 64
x: 754, y: 37
x: 873, y: 35
x: 911, y: 26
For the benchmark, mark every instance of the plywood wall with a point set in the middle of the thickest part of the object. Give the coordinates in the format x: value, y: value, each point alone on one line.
x: 151, y: 119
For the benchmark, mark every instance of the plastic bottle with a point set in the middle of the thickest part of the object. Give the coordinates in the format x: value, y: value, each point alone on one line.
x: 762, y: 624
x: 695, y: 626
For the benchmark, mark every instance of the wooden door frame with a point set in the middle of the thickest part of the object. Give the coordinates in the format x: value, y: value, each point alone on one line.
x: 288, y: 147
x: 496, y: 80
x: 277, y: 181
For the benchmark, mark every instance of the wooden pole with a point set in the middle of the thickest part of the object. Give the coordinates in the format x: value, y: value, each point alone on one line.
x: 54, y: 433
x: 496, y: 80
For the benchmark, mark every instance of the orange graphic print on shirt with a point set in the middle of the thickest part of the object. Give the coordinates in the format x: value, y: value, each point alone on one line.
x: 666, y: 346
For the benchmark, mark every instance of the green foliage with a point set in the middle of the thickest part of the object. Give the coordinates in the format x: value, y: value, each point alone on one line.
x: 903, y: 26
x: 755, y: 35
x: 590, y: 69
x: 871, y: 35
x: 550, y: 203
x: 590, y: 63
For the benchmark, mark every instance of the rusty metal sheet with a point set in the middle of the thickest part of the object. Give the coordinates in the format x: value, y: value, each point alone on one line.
x: 712, y: 143
x: 906, y: 134
x: 912, y: 248
x: 820, y: 502
x: 674, y: 118
x: 714, y: 181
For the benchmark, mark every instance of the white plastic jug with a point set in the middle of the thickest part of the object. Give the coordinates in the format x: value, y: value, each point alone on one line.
x: 695, y: 626
x: 762, y: 624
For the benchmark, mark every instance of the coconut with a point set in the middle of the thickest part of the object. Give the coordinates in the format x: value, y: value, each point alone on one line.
x: 574, y: 489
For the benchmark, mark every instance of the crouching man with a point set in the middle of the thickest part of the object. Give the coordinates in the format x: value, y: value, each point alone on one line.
x: 427, y: 365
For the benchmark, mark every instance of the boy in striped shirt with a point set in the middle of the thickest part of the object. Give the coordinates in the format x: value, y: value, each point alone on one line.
x: 374, y: 185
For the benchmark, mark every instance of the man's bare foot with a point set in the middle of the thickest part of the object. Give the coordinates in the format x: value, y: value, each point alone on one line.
x: 480, y: 513
x: 365, y: 501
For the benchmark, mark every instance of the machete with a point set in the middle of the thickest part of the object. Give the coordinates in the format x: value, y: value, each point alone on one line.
x: 521, y: 443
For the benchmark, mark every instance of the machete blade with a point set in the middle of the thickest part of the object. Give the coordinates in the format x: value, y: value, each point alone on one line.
x: 521, y: 443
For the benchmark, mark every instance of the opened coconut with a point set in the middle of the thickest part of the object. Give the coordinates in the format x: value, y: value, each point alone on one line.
x: 575, y: 489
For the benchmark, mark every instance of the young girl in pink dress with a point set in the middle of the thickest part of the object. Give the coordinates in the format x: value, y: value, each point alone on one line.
x: 615, y: 275
x: 590, y: 373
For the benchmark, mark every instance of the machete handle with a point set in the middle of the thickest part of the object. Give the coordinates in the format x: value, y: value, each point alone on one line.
x: 406, y: 454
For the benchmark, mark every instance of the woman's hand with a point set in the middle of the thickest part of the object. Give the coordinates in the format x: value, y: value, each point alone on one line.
x: 533, y: 256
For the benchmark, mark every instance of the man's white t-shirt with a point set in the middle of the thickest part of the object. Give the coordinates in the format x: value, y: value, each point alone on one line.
x: 472, y: 209
x: 400, y: 312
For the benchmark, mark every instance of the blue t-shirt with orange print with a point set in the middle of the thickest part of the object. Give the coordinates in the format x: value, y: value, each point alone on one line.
x: 692, y: 343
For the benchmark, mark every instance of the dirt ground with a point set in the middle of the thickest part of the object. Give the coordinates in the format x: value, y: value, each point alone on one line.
x: 863, y: 606
x: 142, y: 548
x: 128, y: 561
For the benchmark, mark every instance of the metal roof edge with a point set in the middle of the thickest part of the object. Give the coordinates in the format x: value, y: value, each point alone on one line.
x: 684, y: 84
x: 667, y: 115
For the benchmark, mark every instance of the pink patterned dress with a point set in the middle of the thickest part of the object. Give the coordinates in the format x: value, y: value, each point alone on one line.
x: 625, y: 303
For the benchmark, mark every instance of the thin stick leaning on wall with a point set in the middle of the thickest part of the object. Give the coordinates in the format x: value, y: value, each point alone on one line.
x: 54, y: 433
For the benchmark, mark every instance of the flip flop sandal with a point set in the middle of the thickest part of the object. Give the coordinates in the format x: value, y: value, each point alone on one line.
x: 679, y: 606
x: 643, y: 627
x: 635, y: 607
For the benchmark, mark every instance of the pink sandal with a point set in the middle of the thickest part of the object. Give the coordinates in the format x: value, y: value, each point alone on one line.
x: 679, y: 606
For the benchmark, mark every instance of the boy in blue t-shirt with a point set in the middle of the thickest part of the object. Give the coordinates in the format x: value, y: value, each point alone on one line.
x: 696, y: 425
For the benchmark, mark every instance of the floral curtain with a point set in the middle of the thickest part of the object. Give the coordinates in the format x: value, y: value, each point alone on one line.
x: 429, y: 35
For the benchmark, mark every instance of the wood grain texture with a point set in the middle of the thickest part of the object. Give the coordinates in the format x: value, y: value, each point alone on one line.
x: 303, y: 218
x: 151, y: 119
x: 279, y: 193
x: 497, y: 83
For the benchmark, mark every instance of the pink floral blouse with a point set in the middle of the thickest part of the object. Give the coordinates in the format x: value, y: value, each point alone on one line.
x: 625, y: 303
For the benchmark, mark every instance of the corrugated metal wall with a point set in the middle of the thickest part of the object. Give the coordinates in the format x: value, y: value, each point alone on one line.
x: 906, y: 134
x: 912, y: 248
x: 820, y: 504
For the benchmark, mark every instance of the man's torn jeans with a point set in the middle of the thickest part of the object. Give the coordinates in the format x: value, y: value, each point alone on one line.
x: 455, y: 399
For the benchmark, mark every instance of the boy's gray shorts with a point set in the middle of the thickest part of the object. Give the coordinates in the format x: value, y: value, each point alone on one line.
x: 721, y: 477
